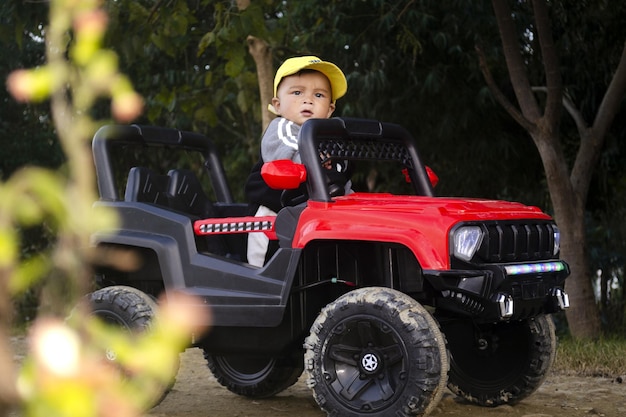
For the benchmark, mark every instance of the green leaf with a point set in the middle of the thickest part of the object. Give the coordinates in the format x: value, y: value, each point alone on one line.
x: 235, y: 65
x: 242, y: 102
x: 28, y: 273
x: 208, y: 78
x: 178, y: 25
x: 207, y: 40
x: 206, y: 114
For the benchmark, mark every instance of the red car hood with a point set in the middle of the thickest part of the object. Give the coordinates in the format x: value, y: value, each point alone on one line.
x: 420, y: 223
x: 446, y: 206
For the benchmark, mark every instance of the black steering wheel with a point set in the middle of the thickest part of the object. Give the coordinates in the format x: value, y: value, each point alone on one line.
x: 337, y: 176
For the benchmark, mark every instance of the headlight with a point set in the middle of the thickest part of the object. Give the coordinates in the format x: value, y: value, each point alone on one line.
x: 557, y: 240
x: 466, y: 241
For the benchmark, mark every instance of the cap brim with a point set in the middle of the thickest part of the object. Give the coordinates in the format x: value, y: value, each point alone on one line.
x: 338, y: 83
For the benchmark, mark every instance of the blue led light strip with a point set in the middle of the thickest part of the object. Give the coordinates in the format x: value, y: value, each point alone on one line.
x: 534, y: 268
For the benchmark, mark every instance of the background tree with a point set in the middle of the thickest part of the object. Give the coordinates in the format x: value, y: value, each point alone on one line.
x: 569, y: 187
x: 64, y: 372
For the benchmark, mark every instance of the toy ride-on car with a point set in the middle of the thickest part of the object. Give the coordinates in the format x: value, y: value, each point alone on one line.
x: 384, y: 297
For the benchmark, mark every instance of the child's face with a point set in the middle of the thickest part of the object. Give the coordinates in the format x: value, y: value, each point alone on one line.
x: 304, y: 96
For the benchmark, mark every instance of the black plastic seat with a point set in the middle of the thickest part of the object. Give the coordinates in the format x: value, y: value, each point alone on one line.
x: 187, y: 195
x: 145, y: 186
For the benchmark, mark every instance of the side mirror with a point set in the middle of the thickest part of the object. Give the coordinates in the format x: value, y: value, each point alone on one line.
x: 283, y: 174
x: 432, y: 177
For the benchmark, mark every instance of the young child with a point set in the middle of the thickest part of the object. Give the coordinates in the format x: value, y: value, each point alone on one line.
x: 304, y: 88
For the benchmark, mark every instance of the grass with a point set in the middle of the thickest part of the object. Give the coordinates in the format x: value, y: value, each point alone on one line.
x: 605, y: 357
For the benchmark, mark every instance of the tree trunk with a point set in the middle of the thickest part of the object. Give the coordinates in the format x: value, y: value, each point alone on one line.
x: 262, y: 55
x: 583, y: 315
x: 261, y: 52
x: 567, y: 192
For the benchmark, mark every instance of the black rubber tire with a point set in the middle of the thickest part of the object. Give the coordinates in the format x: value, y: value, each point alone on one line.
x: 256, y: 376
x: 376, y: 352
x: 132, y: 310
x: 123, y: 306
x: 500, y: 363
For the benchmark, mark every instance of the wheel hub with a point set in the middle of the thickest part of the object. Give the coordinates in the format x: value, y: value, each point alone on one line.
x: 482, y: 344
x: 370, y: 363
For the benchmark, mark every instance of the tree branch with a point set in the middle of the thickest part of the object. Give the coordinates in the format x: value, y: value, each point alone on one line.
x: 592, y: 139
x: 612, y: 98
x: 514, y: 62
x: 498, y: 95
x: 570, y: 107
x: 554, y: 83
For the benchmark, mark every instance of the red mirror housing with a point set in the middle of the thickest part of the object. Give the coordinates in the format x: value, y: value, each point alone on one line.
x: 283, y: 174
x: 432, y: 177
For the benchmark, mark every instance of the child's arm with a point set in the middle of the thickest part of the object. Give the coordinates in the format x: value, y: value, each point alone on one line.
x: 280, y: 141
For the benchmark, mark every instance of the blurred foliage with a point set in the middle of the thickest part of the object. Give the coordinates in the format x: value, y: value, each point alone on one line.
x: 65, y: 373
x: 410, y: 61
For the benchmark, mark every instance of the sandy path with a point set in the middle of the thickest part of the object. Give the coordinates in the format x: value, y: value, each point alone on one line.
x: 197, y: 394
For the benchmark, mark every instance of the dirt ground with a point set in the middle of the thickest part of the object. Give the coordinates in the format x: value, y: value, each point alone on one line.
x: 197, y: 394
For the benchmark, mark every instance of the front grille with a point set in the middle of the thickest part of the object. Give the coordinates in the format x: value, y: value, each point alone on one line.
x: 516, y: 242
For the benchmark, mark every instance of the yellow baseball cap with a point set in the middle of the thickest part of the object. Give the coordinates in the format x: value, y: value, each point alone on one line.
x: 338, y: 83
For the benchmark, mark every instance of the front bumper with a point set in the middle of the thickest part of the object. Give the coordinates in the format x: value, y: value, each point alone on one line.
x: 496, y: 292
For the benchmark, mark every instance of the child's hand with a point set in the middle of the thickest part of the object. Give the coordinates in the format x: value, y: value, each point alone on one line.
x: 326, y: 163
